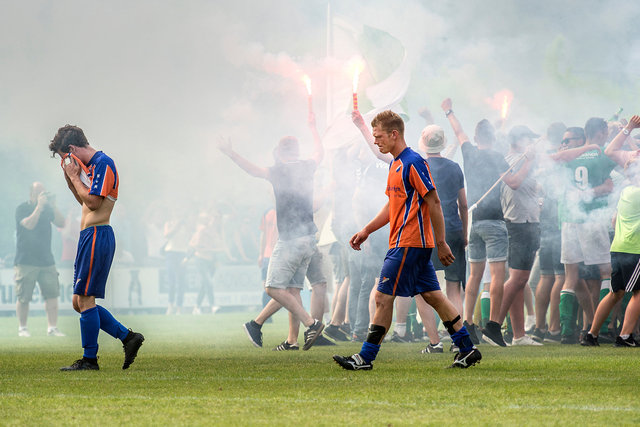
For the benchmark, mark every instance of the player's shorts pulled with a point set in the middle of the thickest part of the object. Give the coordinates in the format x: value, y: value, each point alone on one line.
x: 96, y: 248
x: 407, y: 272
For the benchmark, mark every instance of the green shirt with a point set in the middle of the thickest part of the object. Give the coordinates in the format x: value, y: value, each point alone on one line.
x: 627, y: 237
x: 586, y: 172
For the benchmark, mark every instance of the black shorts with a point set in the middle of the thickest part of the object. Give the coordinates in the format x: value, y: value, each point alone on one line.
x: 550, y: 244
x: 524, y: 241
x: 456, y: 272
x: 625, y: 271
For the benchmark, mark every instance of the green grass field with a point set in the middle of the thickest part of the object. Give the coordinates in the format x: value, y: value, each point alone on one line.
x: 202, y: 370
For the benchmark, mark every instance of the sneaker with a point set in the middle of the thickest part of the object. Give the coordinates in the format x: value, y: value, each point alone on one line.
x: 508, y: 337
x: 492, y: 334
x: 454, y: 348
x: 334, y: 332
x: 345, y: 328
x: 82, y: 365
x: 473, y: 334
x: 196, y: 311
x: 589, y: 340
x: 438, y: 348
x: 538, y: 335
x: 215, y: 308
x: 169, y: 310
x: 24, y: 332
x: 323, y: 341
x: 552, y: 338
x: 525, y: 340
x: 312, y: 333
x: 131, y: 344
x: 353, y: 363
x: 285, y: 346
x: 254, y: 333
x: 397, y: 338
x: 55, y: 332
x: 464, y: 360
x: 629, y: 342
x: 608, y: 338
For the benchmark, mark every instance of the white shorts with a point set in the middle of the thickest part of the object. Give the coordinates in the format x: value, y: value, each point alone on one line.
x: 587, y: 242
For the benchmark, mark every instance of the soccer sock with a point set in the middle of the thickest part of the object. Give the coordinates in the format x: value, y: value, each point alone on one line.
x: 369, y: 351
x: 110, y: 325
x: 485, y: 307
x: 566, y: 307
x: 89, y: 330
x: 400, y: 329
x: 461, y: 339
x: 605, y: 288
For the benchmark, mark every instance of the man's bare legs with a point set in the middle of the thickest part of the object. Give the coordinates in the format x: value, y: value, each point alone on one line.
x: 496, y: 290
x: 428, y: 320
x: 514, y: 292
x: 476, y: 269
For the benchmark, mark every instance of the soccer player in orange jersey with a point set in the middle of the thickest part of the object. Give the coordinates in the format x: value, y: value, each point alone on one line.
x: 412, y: 208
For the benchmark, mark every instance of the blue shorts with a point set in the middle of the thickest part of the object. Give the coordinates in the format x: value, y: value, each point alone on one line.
x: 96, y: 247
x: 407, y: 272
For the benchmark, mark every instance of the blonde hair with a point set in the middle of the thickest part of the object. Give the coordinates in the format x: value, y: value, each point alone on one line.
x: 388, y: 121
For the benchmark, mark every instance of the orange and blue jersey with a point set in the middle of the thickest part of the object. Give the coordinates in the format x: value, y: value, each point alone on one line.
x: 103, y: 176
x: 408, y: 183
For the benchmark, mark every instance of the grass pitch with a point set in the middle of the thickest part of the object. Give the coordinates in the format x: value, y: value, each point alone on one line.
x: 202, y: 370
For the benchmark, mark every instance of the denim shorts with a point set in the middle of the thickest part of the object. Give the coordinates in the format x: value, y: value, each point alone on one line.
x: 488, y: 241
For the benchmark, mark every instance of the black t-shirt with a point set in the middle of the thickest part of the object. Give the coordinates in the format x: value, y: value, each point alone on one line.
x: 33, y: 247
x: 483, y: 168
x: 293, y: 188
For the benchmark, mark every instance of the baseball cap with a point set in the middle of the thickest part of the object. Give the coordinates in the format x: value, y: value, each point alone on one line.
x: 521, y: 131
x: 433, y: 139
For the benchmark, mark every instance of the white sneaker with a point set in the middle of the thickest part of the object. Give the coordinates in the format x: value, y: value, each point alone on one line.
x: 23, y: 332
x: 169, y: 310
x: 196, y: 311
x: 524, y: 340
x: 214, y: 308
x: 55, y: 332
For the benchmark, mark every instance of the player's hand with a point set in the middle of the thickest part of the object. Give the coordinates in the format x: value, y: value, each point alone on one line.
x: 357, y: 119
x: 71, y: 167
x: 446, y: 105
x: 225, y: 145
x: 358, y: 239
x: 445, y: 255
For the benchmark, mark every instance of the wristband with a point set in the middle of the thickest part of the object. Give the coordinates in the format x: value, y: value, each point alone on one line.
x: 625, y: 131
x: 446, y: 113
